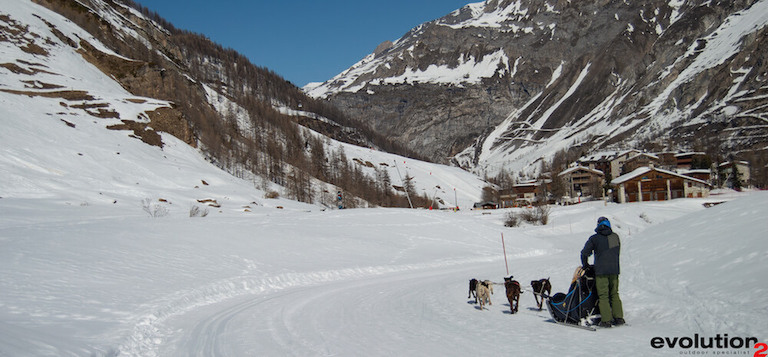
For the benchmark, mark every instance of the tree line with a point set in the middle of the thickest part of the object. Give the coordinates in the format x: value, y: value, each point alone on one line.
x: 274, y: 146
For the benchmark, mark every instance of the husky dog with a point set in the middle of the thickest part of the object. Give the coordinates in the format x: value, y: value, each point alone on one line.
x: 484, y: 293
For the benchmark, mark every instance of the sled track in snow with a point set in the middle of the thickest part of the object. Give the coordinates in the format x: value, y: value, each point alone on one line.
x: 327, y: 319
x: 150, y: 333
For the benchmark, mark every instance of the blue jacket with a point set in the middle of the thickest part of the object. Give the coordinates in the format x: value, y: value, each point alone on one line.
x: 606, y: 246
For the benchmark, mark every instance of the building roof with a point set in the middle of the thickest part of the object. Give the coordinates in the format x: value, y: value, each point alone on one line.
x: 727, y: 163
x: 582, y: 168
x: 690, y: 153
x: 695, y: 171
x: 627, y: 153
x: 652, y: 156
x: 527, y: 184
x: 600, y: 156
x: 645, y: 169
x: 531, y: 183
x: 485, y: 203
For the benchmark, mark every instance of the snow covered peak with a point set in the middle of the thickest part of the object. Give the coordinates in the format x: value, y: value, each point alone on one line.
x: 491, y: 13
x: 467, y: 70
x: 435, y: 52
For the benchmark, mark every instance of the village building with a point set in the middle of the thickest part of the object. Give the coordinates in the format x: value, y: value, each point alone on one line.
x: 690, y: 160
x: 486, y: 205
x: 610, y: 162
x: 600, y: 161
x: 654, y: 184
x: 726, y: 173
x: 617, y: 162
x: 525, y: 193
x: 639, y: 160
x: 701, y: 174
x: 581, y: 181
x: 507, y: 198
x: 667, y: 160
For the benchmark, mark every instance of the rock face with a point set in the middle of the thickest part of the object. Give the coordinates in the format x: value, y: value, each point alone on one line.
x: 503, y: 81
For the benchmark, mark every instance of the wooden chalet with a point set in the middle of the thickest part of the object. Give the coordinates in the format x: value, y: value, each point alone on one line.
x: 486, y: 205
x: 526, y: 193
x: 581, y: 181
x: 654, y: 184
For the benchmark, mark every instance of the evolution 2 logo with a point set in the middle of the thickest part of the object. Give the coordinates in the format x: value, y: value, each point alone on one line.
x: 715, y: 346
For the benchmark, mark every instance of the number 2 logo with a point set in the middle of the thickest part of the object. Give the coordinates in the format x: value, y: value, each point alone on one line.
x: 761, y: 349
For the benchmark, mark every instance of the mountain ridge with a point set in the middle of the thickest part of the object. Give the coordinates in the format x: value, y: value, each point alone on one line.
x: 602, y: 73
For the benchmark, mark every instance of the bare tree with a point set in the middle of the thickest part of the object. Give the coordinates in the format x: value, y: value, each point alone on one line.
x: 154, y: 209
x: 490, y: 194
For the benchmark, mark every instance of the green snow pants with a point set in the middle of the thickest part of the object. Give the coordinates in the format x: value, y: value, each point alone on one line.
x: 608, y: 295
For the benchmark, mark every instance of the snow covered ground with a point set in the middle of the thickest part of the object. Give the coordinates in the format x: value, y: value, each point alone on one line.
x: 103, y: 280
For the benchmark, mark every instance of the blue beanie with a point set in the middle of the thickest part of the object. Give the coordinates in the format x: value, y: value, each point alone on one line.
x: 602, y: 221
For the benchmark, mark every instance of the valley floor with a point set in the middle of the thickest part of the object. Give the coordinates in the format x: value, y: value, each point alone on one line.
x: 89, y: 280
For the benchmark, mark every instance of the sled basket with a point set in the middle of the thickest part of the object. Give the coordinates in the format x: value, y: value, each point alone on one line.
x: 579, y: 303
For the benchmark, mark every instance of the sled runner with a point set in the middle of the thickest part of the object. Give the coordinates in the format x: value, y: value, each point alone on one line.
x: 578, y: 307
x: 566, y: 324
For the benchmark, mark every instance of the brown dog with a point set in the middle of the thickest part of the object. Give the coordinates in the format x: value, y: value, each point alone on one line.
x: 513, y: 293
x: 540, y: 287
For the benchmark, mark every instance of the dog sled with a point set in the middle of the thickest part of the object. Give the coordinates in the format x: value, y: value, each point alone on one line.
x: 578, y: 307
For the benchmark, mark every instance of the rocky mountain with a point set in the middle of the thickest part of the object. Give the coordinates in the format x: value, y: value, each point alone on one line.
x: 503, y: 84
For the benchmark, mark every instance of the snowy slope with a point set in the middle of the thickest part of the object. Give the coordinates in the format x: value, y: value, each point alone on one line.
x: 448, y: 186
x: 55, y: 145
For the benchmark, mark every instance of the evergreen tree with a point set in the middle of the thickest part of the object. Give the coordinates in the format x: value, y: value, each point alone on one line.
x: 408, y: 185
x: 736, y: 181
x: 607, y: 183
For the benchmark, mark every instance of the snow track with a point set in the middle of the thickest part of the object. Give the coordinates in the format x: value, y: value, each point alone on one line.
x: 354, y: 313
x: 227, y: 299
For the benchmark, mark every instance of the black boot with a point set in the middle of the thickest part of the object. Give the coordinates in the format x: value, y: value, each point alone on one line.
x: 604, y: 324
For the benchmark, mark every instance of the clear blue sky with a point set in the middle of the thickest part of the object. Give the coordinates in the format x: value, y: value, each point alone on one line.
x: 301, y: 40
